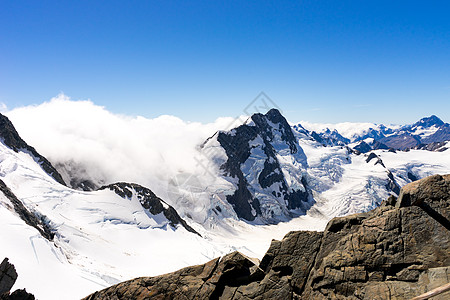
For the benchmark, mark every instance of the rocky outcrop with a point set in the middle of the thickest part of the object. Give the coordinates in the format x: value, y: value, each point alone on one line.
x: 387, y: 253
x: 396, y: 251
x: 11, y: 139
x: 30, y: 218
x: 391, y: 184
x: 364, y: 147
x: 152, y: 203
x: 434, y: 146
x: 8, y: 277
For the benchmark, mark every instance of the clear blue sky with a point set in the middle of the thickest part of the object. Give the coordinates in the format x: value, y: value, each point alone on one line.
x: 321, y: 61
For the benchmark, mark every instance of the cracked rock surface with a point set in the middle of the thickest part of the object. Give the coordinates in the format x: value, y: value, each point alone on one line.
x: 396, y: 251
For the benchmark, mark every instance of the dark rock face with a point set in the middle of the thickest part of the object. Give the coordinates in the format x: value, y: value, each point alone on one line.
x: 442, y: 134
x: 397, y: 251
x: 29, y: 217
x: 330, y: 138
x: 11, y: 138
x: 8, y: 277
x: 378, y: 145
x: 149, y: 201
x: 363, y: 147
x: 271, y: 128
x: 401, y: 142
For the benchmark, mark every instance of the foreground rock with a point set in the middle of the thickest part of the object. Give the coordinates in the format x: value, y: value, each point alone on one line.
x: 8, y: 277
x: 397, y: 251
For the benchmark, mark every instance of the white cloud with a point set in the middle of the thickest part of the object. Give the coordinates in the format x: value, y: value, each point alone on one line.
x: 113, y: 147
x: 3, y: 108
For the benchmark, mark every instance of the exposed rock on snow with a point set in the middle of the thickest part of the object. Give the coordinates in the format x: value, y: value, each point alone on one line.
x: 10, y: 137
x: 8, y: 277
x: 29, y: 217
x: 152, y: 203
x: 391, y: 252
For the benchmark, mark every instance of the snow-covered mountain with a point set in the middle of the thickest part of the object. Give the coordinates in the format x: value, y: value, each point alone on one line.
x: 257, y: 181
x: 265, y: 165
x: 425, y: 131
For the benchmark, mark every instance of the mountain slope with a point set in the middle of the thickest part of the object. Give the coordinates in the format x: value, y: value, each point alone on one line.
x: 10, y: 137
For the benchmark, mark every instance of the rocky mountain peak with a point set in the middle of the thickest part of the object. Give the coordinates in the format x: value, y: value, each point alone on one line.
x: 273, y: 122
x: 429, y: 122
x: 252, y: 151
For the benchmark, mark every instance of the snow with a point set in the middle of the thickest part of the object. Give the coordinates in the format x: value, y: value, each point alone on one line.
x: 102, y: 239
x: 424, y: 132
x: 35, y: 259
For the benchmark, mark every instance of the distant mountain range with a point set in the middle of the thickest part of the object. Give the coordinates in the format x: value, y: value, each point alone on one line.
x: 429, y: 130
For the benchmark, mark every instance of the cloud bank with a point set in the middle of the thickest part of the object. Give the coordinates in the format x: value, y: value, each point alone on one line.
x: 107, y: 147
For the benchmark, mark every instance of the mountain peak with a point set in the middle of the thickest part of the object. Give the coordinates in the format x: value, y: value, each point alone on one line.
x: 273, y: 112
x: 264, y: 192
x: 429, y: 121
x: 274, y: 116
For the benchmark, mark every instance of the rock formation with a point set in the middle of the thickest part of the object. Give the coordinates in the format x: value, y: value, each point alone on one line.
x: 396, y: 251
x: 8, y: 277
